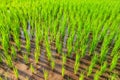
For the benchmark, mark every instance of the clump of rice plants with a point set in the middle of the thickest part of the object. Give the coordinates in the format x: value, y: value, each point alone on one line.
x: 67, y: 37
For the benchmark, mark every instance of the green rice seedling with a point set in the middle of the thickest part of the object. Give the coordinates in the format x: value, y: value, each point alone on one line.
x: 52, y: 64
x: 103, y: 67
x: 45, y: 72
x: 81, y: 77
x: 76, y: 67
x: 77, y: 63
x: 58, y: 43
x: 95, y: 39
x: 84, y: 40
x: 13, y: 52
x: 49, y: 55
x: 113, y: 77
x: 16, y: 72
x: 15, y: 31
x: 116, y: 46
x: 63, y: 25
x: 69, y: 46
x: 83, y: 50
x: 64, y: 58
x: 97, y: 75
x: 27, y: 37
x: 63, y: 70
x: 36, y: 56
x: 47, y: 44
x: 114, y: 61
x: 32, y: 69
x: 17, y: 41
x: 78, y: 36
x: 104, y: 48
x: 27, y: 44
x: 9, y: 61
x: 92, y: 64
x: 54, y: 29
x: 25, y: 57
x: 37, y: 44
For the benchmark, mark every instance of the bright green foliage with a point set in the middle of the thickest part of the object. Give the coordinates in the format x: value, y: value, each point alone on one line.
x: 25, y: 56
x: 32, y: 68
x: 93, y: 62
x: 103, y: 67
x: 16, y: 72
x: 81, y: 27
x: 9, y: 61
x: 77, y: 63
x: 97, y: 75
x: 13, y: 52
x: 45, y: 72
x: 63, y: 70
x: 114, y: 61
x: 53, y: 64
x: 81, y: 77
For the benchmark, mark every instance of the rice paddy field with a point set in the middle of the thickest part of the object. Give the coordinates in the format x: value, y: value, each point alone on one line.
x: 59, y: 39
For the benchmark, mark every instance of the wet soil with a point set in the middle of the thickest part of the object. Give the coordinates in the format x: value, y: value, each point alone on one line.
x: 26, y: 74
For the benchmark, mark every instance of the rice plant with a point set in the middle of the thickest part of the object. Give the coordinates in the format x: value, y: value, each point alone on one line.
x: 81, y: 77
x: 114, y: 61
x: 93, y: 62
x: 45, y: 72
x: 32, y: 68
x: 16, y: 73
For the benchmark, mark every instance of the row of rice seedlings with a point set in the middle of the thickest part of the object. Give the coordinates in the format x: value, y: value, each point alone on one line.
x: 27, y: 37
x: 48, y: 49
x: 105, y: 45
x: 5, y: 40
x: 85, y: 37
x: 71, y: 34
x: 15, y: 28
x: 95, y: 33
x: 38, y: 37
x: 5, y: 33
